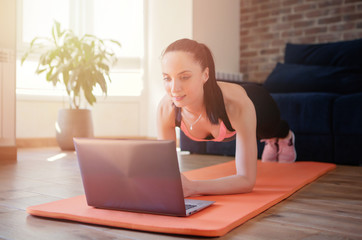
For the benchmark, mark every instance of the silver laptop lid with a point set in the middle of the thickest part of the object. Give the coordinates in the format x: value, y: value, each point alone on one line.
x: 131, y: 175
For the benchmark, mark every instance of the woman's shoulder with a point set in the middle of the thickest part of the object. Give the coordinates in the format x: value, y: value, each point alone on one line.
x: 235, y: 98
x: 233, y: 93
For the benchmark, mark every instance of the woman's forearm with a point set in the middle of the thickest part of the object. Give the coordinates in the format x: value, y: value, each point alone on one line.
x: 227, y: 185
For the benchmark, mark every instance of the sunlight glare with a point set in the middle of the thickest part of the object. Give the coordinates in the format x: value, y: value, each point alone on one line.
x: 57, y: 128
x: 56, y: 157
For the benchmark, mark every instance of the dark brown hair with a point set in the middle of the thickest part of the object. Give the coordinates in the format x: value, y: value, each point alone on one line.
x: 213, y: 99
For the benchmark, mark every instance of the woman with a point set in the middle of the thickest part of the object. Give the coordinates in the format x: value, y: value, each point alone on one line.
x: 207, y: 110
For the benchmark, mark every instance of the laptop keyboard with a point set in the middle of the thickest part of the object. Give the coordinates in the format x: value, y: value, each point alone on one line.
x: 188, y: 206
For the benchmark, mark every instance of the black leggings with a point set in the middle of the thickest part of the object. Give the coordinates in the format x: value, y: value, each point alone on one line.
x: 269, y: 124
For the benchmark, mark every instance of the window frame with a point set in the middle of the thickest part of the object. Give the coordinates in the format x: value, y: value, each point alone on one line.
x: 123, y: 63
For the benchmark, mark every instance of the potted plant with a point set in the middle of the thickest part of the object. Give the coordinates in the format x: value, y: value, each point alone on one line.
x: 80, y: 63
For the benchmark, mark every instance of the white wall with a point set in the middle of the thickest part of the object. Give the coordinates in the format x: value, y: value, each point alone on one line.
x: 36, y: 116
x: 216, y: 23
x: 7, y: 72
x: 167, y: 22
x: 119, y: 118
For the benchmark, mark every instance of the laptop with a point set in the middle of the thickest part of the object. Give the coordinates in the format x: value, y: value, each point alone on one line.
x: 134, y: 175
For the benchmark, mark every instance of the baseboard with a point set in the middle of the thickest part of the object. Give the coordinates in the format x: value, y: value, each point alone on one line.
x: 36, y: 142
x: 8, y: 153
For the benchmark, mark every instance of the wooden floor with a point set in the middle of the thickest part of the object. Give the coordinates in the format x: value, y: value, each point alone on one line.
x: 329, y: 208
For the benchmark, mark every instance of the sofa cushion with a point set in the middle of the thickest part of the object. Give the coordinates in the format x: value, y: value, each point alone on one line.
x: 303, y: 78
x: 308, y: 113
x: 347, y: 115
x: 343, y: 53
x: 315, y: 147
x: 348, y: 149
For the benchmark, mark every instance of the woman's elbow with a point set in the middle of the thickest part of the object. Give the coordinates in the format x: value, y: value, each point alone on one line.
x: 246, y: 185
x: 249, y: 188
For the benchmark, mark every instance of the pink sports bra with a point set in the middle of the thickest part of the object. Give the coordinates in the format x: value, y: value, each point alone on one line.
x: 222, y: 137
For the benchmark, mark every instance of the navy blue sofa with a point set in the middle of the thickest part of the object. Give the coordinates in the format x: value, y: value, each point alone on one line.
x: 318, y: 89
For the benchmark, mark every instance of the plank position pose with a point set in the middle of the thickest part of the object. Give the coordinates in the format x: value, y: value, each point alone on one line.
x: 207, y: 110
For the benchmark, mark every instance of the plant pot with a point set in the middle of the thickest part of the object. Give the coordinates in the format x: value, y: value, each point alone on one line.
x: 73, y: 123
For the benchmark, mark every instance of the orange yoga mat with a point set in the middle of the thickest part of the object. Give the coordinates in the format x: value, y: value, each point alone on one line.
x: 275, y: 182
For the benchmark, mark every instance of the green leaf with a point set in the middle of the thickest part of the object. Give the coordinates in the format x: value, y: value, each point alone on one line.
x: 39, y: 71
x: 49, y: 73
x: 103, y: 66
x: 52, y: 55
x: 116, y: 42
x: 90, y: 97
x: 57, y: 26
x: 42, y: 59
x: 54, y: 35
x: 65, y: 76
x: 24, y: 57
x: 33, y: 41
x: 102, y: 82
x: 72, y: 82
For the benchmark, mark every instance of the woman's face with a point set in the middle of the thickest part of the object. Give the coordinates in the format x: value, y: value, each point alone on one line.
x: 183, y: 78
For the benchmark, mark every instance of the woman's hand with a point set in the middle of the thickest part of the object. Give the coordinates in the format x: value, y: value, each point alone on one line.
x: 187, y: 186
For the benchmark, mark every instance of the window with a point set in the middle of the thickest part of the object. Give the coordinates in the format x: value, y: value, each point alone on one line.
x: 121, y: 20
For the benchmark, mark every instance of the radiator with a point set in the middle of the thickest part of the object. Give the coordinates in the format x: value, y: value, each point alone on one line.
x: 7, y: 97
x: 232, y: 77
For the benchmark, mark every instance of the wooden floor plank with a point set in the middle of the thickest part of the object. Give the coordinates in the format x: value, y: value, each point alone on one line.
x: 260, y: 229
x: 20, y: 225
x: 343, y: 226
x: 353, y: 211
